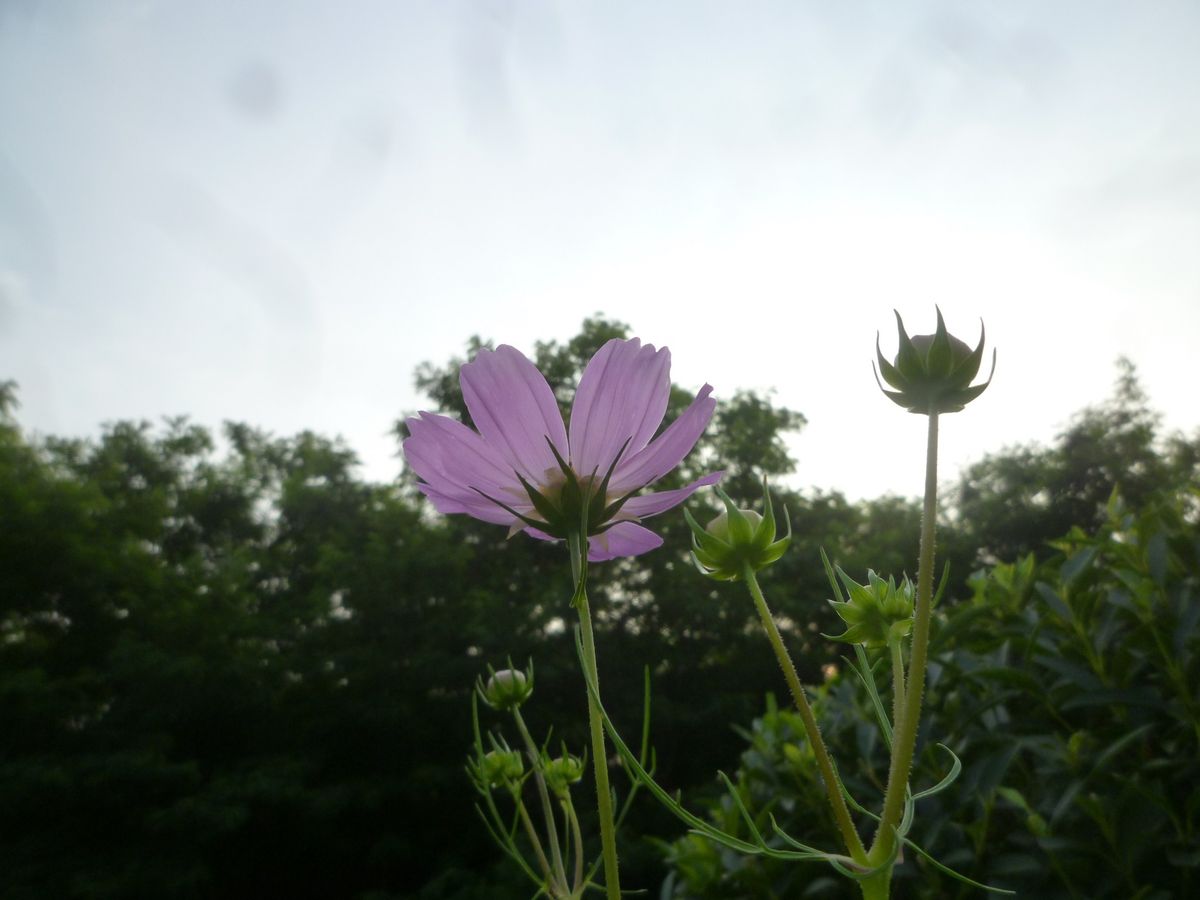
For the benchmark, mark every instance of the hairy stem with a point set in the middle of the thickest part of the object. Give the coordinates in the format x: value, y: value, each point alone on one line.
x: 897, y: 682
x: 531, y: 833
x: 841, y: 813
x: 905, y: 735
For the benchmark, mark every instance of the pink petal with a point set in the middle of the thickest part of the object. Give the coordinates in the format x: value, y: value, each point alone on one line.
x: 661, y: 501
x: 623, y: 539
x: 514, y: 409
x: 668, y: 449
x: 622, y: 397
x: 456, y: 465
x: 477, y: 507
x: 442, y: 449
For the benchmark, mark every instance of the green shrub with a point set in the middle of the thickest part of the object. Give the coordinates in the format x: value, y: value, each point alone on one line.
x: 1069, y: 690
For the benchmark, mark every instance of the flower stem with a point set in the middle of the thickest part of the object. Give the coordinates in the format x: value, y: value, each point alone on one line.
x: 905, y: 735
x: 531, y: 833
x: 878, y: 886
x: 531, y: 749
x: 841, y: 814
x: 577, y: 835
x: 608, y: 836
x: 897, y: 682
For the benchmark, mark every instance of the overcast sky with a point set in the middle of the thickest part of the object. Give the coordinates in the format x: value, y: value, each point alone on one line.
x: 272, y: 212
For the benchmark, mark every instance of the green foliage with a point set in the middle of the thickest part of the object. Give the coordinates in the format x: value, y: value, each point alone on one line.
x: 1069, y: 691
x: 230, y: 668
x: 214, y: 671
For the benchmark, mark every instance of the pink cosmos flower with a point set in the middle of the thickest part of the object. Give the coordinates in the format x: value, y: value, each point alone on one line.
x: 524, y: 469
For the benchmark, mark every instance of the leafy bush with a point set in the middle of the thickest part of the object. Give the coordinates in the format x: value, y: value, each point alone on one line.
x: 1068, y: 689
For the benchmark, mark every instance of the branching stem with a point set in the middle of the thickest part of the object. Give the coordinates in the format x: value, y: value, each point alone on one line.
x: 905, y: 734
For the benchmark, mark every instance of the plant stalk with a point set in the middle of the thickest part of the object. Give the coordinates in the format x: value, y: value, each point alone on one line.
x: 841, y: 813
x: 897, y: 650
x: 905, y: 735
x: 577, y: 835
x: 531, y: 833
x: 608, y: 836
x: 531, y: 750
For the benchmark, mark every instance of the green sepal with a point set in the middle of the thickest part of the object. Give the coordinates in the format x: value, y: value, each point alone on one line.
x: 907, y: 357
x: 703, y: 539
x: 764, y: 535
x: 541, y: 502
x: 969, y: 367
x: 776, y: 550
x: 939, y: 360
x: 890, y: 373
x: 531, y: 522
x: 740, y: 530
x: 598, y: 511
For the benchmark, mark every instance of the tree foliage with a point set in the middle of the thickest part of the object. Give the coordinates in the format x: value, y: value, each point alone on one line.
x: 229, y: 667
x: 1021, y: 498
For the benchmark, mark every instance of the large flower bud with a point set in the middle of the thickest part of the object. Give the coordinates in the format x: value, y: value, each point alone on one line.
x: 932, y: 373
x: 737, y: 538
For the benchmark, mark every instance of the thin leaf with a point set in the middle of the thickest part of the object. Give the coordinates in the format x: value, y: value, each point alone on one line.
x: 950, y: 778
x: 694, y: 822
x: 737, y: 801
x: 866, y: 676
x: 946, y: 870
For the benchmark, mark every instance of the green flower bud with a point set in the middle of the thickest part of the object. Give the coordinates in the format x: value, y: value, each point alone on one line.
x: 932, y: 373
x: 508, y: 688
x: 877, y: 612
x: 562, y: 772
x: 500, y: 768
x: 736, y: 539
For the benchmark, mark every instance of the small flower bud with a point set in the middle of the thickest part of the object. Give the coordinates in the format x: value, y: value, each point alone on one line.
x: 507, y: 688
x: 932, y: 373
x: 877, y: 612
x: 562, y: 772
x: 737, y: 538
x: 501, y: 768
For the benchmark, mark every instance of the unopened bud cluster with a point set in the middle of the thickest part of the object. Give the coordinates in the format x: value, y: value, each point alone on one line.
x: 506, y: 690
x: 876, y: 613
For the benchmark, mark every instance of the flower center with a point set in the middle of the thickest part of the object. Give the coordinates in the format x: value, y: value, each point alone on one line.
x: 568, y: 494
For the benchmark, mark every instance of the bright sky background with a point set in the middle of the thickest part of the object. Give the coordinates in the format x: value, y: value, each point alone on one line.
x: 272, y: 212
